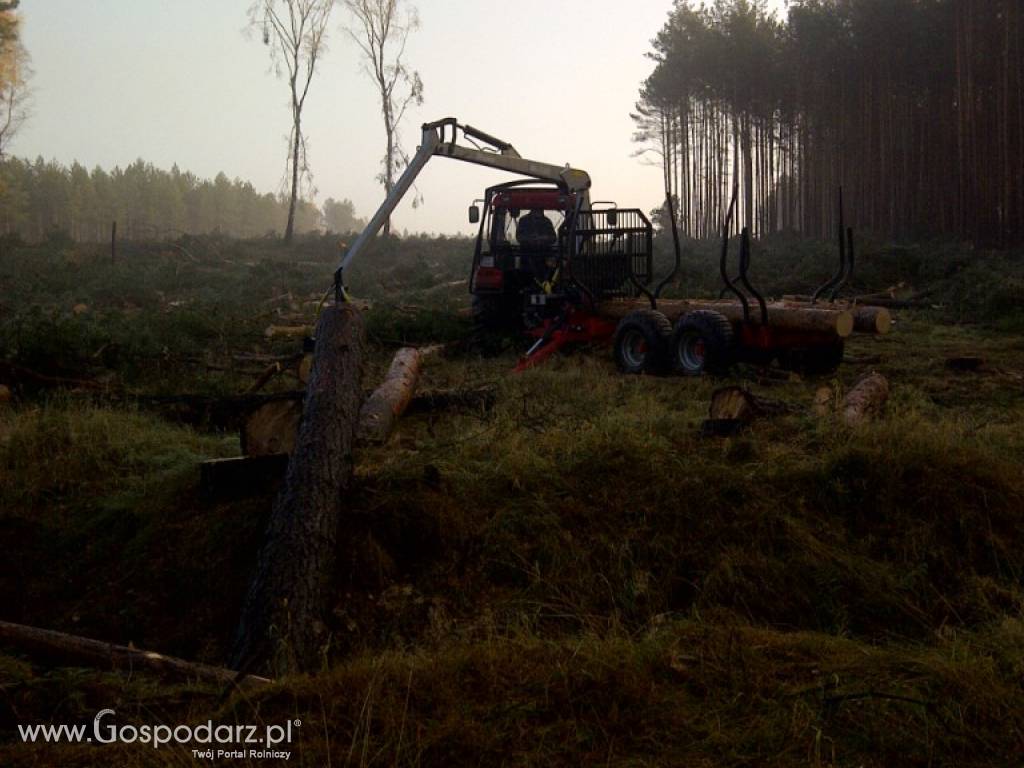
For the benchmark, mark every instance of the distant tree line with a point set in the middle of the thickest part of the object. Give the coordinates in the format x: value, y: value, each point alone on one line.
x: 40, y: 198
x: 916, y: 107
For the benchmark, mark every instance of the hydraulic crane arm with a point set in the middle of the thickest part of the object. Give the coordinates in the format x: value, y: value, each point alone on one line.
x: 439, y: 138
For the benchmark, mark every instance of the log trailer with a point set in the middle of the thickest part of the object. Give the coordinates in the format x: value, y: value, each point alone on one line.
x: 566, y: 270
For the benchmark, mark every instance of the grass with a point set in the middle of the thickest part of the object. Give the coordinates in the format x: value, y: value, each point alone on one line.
x: 573, y: 577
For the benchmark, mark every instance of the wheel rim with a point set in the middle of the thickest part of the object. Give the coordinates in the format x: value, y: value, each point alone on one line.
x: 633, y: 348
x: 691, y: 352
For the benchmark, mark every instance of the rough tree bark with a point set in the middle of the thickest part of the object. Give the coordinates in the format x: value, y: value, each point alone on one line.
x: 281, y: 623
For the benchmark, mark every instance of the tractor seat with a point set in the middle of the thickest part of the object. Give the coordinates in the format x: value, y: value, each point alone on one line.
x: 536, y: 232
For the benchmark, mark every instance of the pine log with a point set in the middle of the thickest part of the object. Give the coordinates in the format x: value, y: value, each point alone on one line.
x: 780, y: 314
x: 272, y: 428
x: 870, y: 319
x: 58, y: 647
x: 866, y: 399
x: 389, y: 401
x: 281, y: 623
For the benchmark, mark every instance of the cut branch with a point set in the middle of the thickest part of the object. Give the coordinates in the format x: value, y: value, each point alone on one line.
x: 56, y: 647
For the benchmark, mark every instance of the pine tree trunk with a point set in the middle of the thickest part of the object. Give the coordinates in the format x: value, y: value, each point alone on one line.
x: 282, y: 618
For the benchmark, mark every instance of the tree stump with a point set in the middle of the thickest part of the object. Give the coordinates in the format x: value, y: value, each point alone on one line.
x: 733, y: 408
x: 281, y: 625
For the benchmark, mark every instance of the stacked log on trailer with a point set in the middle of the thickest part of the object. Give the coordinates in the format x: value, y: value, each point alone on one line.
x: 786, y: 314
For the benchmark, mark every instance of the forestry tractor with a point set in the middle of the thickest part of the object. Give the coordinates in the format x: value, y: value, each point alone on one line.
x: 566, y: 270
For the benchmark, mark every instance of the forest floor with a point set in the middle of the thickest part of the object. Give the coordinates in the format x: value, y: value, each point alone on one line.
x: 571, y: 576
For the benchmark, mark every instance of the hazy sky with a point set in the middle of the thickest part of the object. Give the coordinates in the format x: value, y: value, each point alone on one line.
x: 177, y: 81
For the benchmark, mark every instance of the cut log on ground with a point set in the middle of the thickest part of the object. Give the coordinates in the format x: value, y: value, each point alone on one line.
x: 389, y: 401
x: 45, y: 645
x: 272, y: 428
x: 780, y: 314
x: 866, y: 399
x: 868, y: 317
x: 282, y: 617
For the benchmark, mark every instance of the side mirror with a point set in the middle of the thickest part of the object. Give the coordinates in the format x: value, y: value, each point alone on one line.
x: 474, y: 214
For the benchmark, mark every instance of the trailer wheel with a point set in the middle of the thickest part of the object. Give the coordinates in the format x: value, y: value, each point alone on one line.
x: 816, y: 361
x: 641, y: 342
x: 703, y: 342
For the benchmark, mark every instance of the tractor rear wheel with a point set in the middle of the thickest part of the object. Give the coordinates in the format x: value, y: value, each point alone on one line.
x: 641, y: 342
x: 702, y: 342
x: 497, y: 313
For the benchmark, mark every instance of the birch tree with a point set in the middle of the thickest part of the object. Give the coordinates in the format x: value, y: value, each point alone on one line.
x: 14, y: 75
x: 381, y: 29
x: 296, y: 32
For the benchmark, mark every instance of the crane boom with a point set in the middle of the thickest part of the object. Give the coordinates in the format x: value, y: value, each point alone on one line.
x: 439, y: 139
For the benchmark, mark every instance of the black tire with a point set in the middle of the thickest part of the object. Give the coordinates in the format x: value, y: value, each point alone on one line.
x: 816, y: 361
x: 641, y: 342
x: 702, y: 342
x: 498, y: 313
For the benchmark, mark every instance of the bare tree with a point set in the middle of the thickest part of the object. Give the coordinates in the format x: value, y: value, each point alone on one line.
x: 296, y: 31
x: 14, y: 75
x: 381, y: 29
x: 14, y: 94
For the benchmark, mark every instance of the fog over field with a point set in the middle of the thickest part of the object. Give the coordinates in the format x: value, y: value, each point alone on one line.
x: 180, y: 83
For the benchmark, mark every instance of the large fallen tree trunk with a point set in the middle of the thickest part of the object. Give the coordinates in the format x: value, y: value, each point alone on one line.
x: 780, y: 314
x: 389, y: 401
x: 865, y: 399
x: 71, y: 650
x: 282, y: 616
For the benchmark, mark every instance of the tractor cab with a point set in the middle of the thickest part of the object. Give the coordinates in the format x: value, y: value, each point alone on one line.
x: 521, y: 233
x: 531, y: 255
x: 519, y: 247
